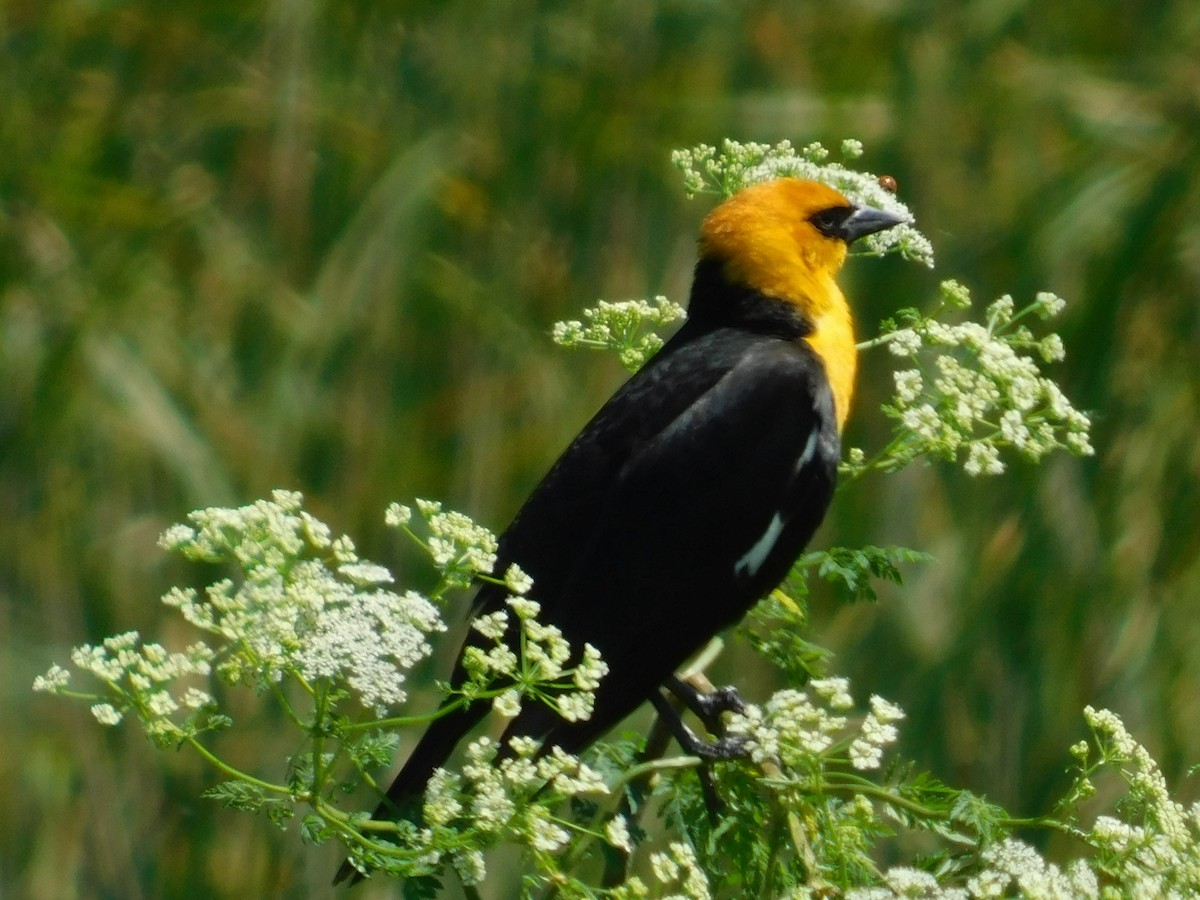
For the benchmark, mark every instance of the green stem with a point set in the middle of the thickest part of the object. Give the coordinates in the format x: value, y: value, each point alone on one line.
x: 657, y: 765
x: 235, y: 773
x: 876, y: 461
x: 285, y: 705
x: 876, y: 341
x: 401, y: 721
x: 851, y: 784
x: 318, y: 740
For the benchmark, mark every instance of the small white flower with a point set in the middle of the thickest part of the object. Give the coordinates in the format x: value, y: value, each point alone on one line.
x: 983, y: 459
x: 1079, y: 444
x: 316, y: 531
x: 524, y: 608
x: 397, y: 515
x: 517, y: 581
x: 679, y: 866
x: 344, y: 551
x: 507, y: 704
x: 194, y: 698
x: 161, y: 703
x: 1108, y: 723
x: 590, y: 669
x: 441, y: 806
x: 908, y: 882
x: 923, y: 421
x: 904, y: 342
x: 520, y: 773
x: 546, y: 836
x: 1049, y: 304
x: 908, y: 385
x: 492, y: 625
x: 1001, y: 309
x: 470, y: 866
x: 884, y: 710
x: 106, y: 714
x: 502, y: 660
x: 954, y: 294
x: 577, y: 778
x: 835, y: 691
x: 524, y: 747
x: 1013, y: 430
x: 616, y: 832
x: 576, y: 707
x: 1052, y: 349
x: 865, y: 755
x: 176, y: 538
x: 665, y: 869
x: 54, y: 680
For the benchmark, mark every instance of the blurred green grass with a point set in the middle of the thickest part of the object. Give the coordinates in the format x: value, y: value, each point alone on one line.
x: 321, y: 246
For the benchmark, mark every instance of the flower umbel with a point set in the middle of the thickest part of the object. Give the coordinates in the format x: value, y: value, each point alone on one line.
x: 625, y: 327
x: 306, y: 605
x: 973, y: 389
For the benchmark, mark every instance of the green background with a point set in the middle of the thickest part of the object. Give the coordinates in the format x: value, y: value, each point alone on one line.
x: 320, y: 246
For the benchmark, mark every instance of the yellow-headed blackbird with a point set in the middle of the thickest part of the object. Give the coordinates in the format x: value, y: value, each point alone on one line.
x: 692, y: 491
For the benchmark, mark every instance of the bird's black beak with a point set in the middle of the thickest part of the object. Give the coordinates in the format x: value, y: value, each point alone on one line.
x: 866, y: 220
x: 849, y: 223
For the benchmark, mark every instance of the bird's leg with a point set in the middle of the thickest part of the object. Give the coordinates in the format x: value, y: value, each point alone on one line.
x: 722, y: 748
x: 707, y: 705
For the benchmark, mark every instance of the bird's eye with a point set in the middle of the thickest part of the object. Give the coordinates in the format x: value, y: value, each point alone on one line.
x: 831, y: 222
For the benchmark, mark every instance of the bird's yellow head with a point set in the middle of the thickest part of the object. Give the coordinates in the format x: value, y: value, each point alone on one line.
x: 787, y: 239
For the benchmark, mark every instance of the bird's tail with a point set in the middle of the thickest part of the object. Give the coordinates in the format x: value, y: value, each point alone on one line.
x: 435, y: 746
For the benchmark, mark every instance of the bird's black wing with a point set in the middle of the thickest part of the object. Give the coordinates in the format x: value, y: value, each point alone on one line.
x: 560, y: 515
x: 700, y: 519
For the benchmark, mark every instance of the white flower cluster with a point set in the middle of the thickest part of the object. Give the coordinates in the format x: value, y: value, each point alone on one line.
x: 798, y: 728
x: 1012, y: 868
x: 1159, y: 855
x: 616, y: 834
x: 1014, y: 864
x: 678, y: 874
x: 461, y: 549
x: 141, y: 678
x: 737, y: 165
x: 494, y: 796
x: 984, y: 389
x: 877, y: 732
x: 306, y: 605
x: 1156, y: 856
x: 541, y: 667
x: 619, y: 326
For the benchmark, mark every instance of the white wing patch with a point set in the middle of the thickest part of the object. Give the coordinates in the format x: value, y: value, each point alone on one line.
x: 810, y: 450
x: 751, y: 561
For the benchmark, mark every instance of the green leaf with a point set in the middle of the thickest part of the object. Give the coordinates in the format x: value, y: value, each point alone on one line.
x: 279, y: 813
x: 852, y: 570
x: 374, y: 750
x: 315, y: 829
x: 776, y: 629
x: 237, y: 795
